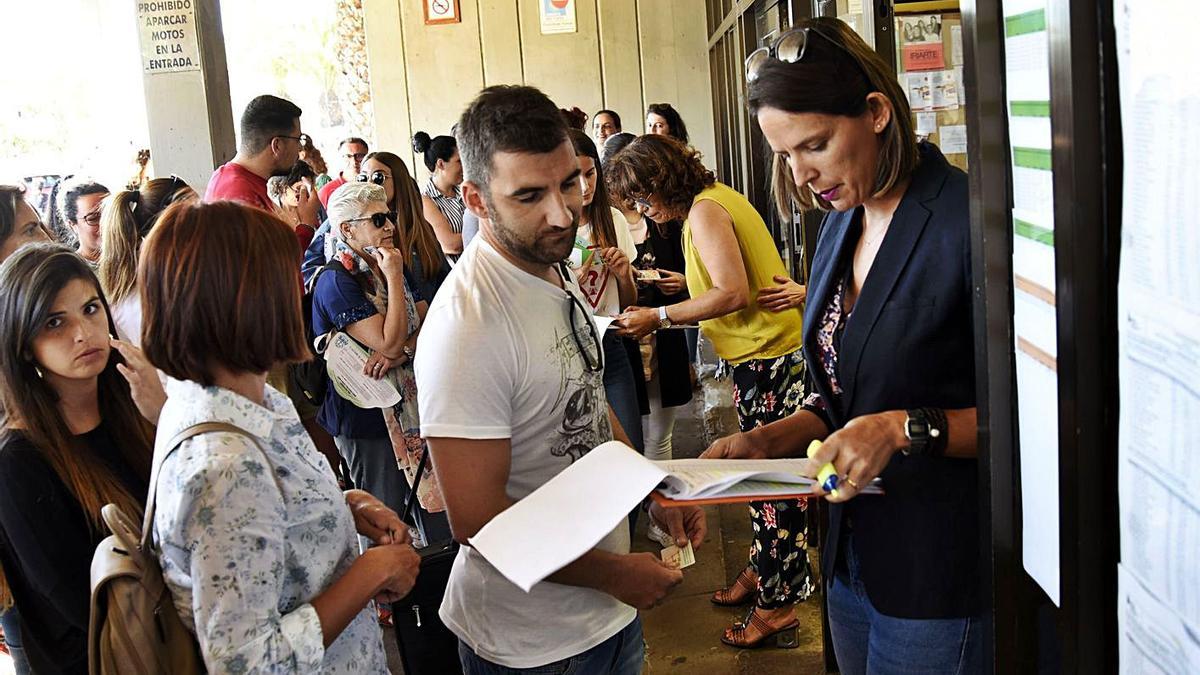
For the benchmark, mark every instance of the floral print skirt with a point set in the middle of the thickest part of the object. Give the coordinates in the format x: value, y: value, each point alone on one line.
x: 765, y: 391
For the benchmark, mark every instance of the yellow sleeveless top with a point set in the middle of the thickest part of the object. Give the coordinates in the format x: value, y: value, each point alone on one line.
x: 753, y: 332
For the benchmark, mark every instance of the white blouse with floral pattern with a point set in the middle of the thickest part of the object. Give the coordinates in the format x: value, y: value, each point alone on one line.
x: 248, y: 537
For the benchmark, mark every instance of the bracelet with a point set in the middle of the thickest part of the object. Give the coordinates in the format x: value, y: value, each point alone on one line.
x: 937, y: 420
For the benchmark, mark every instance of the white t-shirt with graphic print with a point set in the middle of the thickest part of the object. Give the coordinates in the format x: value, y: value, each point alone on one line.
x: 496, y: 359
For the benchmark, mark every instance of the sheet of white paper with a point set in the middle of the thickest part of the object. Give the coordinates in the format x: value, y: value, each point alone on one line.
x: 1037, y: 409
x: 345, y: 360
x: 603, y: 323
x: 962, y: 85
x: 953, y: 139
x: 926, y: 123
x: 567, y: 516
x: 1152, y: 639
x: 920, y: 90
x: 945, y: 89
x: 1158, y: 310
x: 956, y: 47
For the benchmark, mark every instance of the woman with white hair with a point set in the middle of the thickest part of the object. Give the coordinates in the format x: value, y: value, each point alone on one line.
x: 365, y: 293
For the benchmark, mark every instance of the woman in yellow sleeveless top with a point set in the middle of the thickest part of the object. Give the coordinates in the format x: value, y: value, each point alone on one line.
x: 747, y: 308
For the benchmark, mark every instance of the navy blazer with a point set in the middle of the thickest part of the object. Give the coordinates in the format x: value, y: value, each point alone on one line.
x: 908, y: 343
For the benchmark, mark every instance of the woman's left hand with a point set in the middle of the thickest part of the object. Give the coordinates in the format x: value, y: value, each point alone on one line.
x: 377, y: 366
x: 144, y: 386
x: 861, y: 450
x: 374, y: 520
x: 637, y: 322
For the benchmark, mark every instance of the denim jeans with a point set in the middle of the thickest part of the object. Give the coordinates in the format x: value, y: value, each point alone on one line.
x: 621, y: 389
x: 11, y: 622
x: 621, y: 654
x: 867, y: 642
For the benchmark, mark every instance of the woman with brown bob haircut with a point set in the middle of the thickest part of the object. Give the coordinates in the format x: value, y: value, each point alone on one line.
x: 732, y: 270
x: 890, y: 346
x: 237, y: 507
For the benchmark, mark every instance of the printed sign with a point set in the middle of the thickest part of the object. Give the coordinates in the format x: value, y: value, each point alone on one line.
x: 558, y: 16
x: 167, y: 30
x: 442, y: 11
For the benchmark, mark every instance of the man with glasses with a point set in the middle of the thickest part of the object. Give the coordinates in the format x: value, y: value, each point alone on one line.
x: 352, y: 152
x: 510, y: 384
x: 80, y: 204
x: 270, y: 146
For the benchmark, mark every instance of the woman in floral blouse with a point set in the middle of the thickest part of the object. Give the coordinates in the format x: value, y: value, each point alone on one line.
x: 257, y: 543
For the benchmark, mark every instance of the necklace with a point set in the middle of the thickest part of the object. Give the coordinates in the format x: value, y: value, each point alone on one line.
x: 868, y: 241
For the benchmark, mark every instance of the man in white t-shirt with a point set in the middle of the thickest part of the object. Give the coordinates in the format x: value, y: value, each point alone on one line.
x: 510, y: 380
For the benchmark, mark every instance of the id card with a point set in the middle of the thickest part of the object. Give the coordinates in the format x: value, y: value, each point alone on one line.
x: 679, y: 557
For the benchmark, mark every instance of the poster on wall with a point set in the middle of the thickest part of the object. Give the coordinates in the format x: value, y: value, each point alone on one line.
x: 1158, y: 324
x: 1035, y: 305
x: 558, y: 16
x: 441, y: 11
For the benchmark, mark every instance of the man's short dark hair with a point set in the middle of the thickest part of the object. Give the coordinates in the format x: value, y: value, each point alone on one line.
x: 265, y: 118
x: 353, y: 139
x: 506, y: 118
x: 68, y: 197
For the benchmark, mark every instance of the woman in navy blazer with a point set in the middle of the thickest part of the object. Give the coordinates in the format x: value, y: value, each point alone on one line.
x: 890, y: 348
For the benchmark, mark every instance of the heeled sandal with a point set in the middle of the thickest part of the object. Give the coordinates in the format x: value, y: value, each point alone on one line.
x: 746, y: 583
x: 785, y: 637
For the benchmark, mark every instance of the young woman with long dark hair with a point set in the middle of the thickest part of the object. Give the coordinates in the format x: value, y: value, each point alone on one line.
x: 72, y: 439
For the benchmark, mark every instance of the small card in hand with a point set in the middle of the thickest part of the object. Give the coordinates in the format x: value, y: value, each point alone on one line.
x: 679, y: 557
x: 648, y: 275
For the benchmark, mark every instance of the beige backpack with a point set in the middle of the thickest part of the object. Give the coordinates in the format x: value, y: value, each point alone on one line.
x: 134, y: 627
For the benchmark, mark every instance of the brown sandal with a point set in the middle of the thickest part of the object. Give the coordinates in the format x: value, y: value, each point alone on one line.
x: 786, y: 637
x: 741, y: 592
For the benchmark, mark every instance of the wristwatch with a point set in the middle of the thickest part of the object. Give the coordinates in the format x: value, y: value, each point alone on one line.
x: 664, y: 321
x: 923, y: 432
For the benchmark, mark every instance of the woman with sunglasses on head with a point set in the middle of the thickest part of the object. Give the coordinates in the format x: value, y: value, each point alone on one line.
x: 72, y: 439
x: 367, y: 292
x: 427, y: 264
x: 127, y: 221
x: 890, y: 346
x: 730, y: 258
x: 442, y: 194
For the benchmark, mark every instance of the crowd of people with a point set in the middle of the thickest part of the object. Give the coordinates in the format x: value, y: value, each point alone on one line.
x: 281, y: 538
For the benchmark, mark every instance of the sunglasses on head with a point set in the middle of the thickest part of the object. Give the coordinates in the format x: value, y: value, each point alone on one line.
x: 789, y: 48
x: 376, y: 177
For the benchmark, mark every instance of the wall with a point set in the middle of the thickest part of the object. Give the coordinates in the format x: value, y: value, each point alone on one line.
x: 626, y: 54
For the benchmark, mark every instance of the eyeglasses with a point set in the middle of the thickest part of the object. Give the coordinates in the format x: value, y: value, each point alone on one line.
x: 356, y: 156
x: 789, y: 48
x: 376, y: 177
x: 642, y: 202
x: 593, y: 358
x: 379, y: 220
x: 92, y: 218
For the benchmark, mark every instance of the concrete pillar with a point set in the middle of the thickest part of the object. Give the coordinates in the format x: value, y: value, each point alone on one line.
x: 186, y: 80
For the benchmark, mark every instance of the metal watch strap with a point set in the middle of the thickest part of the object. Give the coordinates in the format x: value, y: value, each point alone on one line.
x: 664, y: 321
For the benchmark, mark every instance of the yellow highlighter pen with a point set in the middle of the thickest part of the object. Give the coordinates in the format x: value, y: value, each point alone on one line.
x: 827, y: 477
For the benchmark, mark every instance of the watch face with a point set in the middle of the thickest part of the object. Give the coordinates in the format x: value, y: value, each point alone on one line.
x: 918, y: 428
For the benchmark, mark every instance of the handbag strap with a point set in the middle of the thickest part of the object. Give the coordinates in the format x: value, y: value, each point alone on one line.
x: 172, y: 445
x: 412, y: 494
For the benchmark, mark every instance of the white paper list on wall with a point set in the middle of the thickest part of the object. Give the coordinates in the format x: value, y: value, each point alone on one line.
x: 1027, y: 87
x: 1158, y: 307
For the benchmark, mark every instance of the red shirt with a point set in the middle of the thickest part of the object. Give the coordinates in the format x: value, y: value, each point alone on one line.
x: 327, y: 191
x: 236, y: 183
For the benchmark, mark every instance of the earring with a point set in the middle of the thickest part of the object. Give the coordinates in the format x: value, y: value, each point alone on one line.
x: 39, y: 373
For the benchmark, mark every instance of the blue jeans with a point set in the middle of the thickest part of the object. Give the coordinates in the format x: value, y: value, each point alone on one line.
x: 621, y: 654
x: 867, y: 642
x: 621, y: 389
x: 11, y: 622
